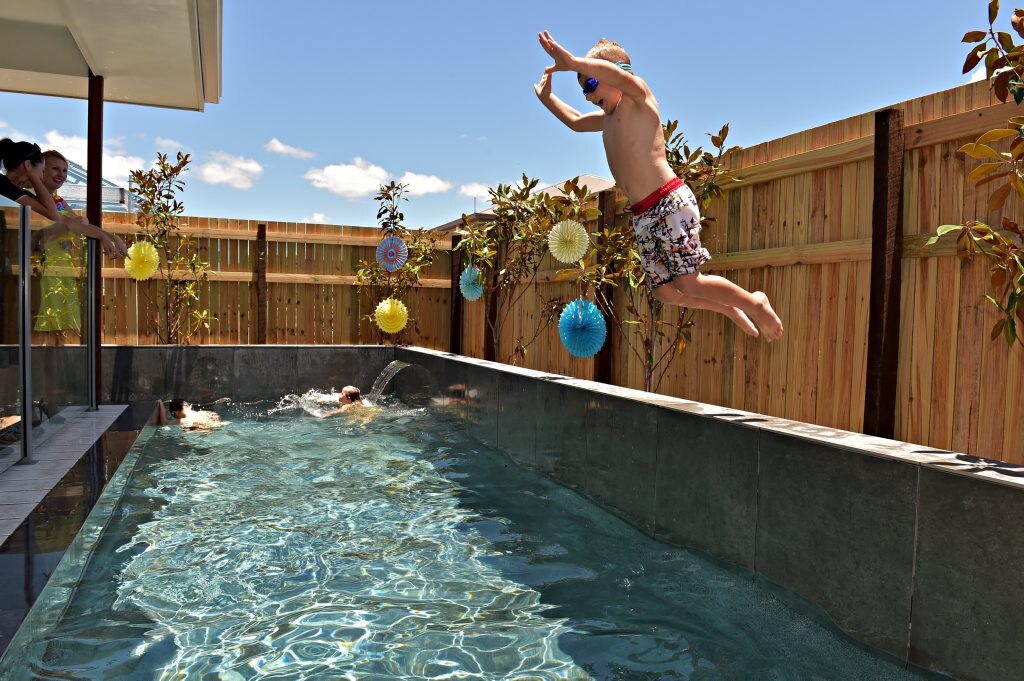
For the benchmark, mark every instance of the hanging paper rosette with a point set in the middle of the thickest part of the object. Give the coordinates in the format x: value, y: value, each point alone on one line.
x: 142, y: 260
x: 392, y: 253
x: 582, y: 328
x: 391, y: 315
x: 471, y: 283
x: 568, y: 241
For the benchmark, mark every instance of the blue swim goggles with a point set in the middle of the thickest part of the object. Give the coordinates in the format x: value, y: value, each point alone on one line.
x: 589, y: 85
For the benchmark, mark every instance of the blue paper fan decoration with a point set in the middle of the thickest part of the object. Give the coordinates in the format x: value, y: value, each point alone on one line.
x: 582, y: 328
x: 471, y: 283
x: 392, y: 253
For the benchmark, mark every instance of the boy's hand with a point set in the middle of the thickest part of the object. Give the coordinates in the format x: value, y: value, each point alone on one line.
x: 564, y: 61
x: 543, y: 88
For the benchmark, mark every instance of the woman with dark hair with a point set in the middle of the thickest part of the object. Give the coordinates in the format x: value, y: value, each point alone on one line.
x: 23, y: 162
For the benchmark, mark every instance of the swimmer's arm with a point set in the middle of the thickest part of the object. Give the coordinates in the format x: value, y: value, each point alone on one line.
x: 162, y: 414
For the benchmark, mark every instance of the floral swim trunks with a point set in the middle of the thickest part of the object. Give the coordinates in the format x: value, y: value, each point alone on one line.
x: 667, y: 228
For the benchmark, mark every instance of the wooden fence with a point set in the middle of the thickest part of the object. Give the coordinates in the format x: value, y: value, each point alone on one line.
x: 799, y: 227
x: 310, y: 292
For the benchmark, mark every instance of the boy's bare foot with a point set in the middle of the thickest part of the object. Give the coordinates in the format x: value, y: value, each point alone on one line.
x: 766, y: 319
x: 742, y: 321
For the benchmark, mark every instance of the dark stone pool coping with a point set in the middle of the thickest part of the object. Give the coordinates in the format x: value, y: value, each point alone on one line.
x: 915, y: 551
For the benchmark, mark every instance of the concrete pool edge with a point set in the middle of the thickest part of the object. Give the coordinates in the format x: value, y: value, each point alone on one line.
x: 910, y: 550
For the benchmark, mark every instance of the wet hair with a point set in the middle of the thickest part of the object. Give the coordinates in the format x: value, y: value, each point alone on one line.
x: 176, y: 405
x: 13, y: 154
x: 53, y: 153
x: 352, y: 393
x: 609, y: 50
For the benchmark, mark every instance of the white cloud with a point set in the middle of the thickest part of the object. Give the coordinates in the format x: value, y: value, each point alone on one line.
x: 420, y: 185
x: 355, y: 180
x: 235, y: 171
x: 168, y: 144
x: 3, y: 124
x: 278, y: 147
x: 117, y: 164
x: 978, y: 74
x: 474, y: 190
x: 315, y: 218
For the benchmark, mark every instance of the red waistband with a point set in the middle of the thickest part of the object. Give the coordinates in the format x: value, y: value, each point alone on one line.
x: 658, y: 194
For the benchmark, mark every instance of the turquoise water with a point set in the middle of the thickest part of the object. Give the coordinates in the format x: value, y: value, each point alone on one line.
x: 286, y: 547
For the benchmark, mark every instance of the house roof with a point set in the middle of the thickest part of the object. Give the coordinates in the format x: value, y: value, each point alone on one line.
x: 164, y: 53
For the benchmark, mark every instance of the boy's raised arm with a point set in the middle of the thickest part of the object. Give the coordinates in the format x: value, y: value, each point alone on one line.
x: 573, y: 119
x: 600, y: 69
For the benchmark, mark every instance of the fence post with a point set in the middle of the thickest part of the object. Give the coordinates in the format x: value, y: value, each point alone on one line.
x: 604, y: 360
x: 455, y: 342
x: 886, y: 263
x: 261, y: 284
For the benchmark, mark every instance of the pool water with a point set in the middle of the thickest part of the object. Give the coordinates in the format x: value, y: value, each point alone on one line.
x: 392, y: 546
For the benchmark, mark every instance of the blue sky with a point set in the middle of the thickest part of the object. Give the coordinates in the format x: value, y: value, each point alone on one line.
x: 440, y: 93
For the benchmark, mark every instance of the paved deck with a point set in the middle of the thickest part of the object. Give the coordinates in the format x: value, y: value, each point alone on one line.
x: 58, y: 448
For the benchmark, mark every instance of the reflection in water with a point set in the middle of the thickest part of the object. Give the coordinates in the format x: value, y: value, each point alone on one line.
x: 30, y: 555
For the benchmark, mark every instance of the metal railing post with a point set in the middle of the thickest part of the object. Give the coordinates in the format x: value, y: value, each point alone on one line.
x: 25, y: 330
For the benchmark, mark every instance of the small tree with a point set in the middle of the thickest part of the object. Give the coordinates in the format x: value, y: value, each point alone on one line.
x: 381, y: 284
x: 508, y: 251
x: 181, y: 270
x: 1003, y: 246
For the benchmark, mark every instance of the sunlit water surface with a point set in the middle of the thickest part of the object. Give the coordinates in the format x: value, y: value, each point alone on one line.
x: 391, y: 546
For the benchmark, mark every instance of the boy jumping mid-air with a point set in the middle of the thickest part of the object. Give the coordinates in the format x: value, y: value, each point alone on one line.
x: 666, y: 218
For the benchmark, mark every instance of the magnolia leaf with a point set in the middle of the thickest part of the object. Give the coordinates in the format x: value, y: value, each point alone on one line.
x: 998, y: 197
x: 991, y: 178
x: 998, y: 134
x: 975, y: 150
x: 1018, y: 185
x: 993, y: 11
x: 997, y: 329
x: 973, y: 58
x: 974, y: 36
x: 983, y: 170
x: 1005, y: 41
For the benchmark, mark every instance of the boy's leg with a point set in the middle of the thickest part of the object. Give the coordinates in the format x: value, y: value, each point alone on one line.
x: 670, y: 295
x: 715, y: 289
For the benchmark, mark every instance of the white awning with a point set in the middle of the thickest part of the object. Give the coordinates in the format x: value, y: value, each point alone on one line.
x: 164, y: 53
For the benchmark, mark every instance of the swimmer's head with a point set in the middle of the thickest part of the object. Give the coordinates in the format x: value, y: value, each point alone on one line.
x: 175, y: 407
x: 350, y: 393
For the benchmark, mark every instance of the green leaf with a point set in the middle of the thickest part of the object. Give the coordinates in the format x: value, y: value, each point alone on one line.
x: 984, y: 169
x: 979, y: 151
x: 997, y: 329
x: 973, y: 59
x: 998, y: 134
x: 943, y: 230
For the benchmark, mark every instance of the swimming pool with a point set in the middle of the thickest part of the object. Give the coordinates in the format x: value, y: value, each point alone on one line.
x: 287, y: 547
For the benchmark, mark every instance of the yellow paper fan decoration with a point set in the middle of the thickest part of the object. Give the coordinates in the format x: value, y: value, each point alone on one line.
x: 391, y: 315
x: 568, y: 241
x: 142, y: 260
